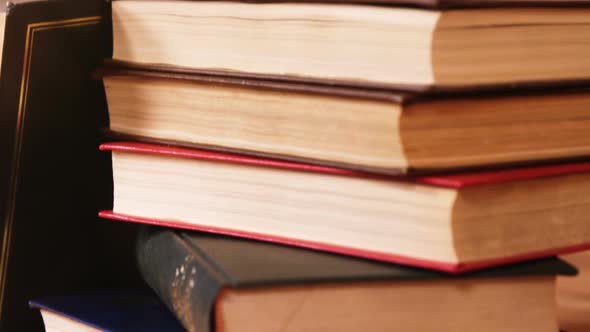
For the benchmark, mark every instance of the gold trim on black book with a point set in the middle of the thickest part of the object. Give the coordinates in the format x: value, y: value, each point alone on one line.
x: 22, y: 108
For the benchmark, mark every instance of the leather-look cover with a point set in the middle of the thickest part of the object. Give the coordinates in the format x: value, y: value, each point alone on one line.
x: 391, y: 96
x: 50, y: 239
x: 449, y: 180
x: 399, y: 96
x: 188, y: 270
x: 170, y: 70
x: 116, y: 68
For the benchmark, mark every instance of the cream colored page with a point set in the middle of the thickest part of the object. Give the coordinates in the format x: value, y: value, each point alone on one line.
x: 344, y: 42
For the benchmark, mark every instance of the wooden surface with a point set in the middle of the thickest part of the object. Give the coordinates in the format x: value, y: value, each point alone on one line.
x: 573, y: 295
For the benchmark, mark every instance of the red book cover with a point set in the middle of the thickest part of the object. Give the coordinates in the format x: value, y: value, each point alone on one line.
x: 451, y: 180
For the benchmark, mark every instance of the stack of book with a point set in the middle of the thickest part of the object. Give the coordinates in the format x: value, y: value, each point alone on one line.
x: 429, y: 153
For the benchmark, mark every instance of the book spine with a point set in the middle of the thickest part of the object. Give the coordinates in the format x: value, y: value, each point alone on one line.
x: 49, y: 108
x: 183, y: 279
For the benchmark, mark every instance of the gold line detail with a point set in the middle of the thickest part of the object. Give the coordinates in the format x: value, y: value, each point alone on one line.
x: 22, y: 107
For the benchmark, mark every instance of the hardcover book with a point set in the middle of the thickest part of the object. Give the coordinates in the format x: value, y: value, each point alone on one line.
x: 488, y: 44
x: 215, y: 283
x: 373, y: 130
x: 573, y: 295
x: 50, y: 242
x: 128, y: 310
x: 453, y: 222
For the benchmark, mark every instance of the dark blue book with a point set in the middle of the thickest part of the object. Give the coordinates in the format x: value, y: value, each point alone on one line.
x: 120, y: 311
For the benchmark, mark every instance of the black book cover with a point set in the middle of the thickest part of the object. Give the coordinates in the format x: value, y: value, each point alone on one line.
x: 52, y: 177
x: 169, y: 260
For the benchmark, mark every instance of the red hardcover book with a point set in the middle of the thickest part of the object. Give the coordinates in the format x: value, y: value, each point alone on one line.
x: 452, y: 222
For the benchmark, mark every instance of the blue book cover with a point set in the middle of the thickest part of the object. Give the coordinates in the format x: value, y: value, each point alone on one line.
x: 116, y: 311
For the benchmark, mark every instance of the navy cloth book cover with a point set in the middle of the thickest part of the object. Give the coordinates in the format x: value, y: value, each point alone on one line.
x: 115, y: 310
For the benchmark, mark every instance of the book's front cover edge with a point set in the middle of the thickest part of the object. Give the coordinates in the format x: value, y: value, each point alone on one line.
x: 449, y: 267
x: 441, y: 266
x: 111, y: 135
x: 116, y: 136
x: 409, y: 89
x: 113, y: 68
x: 448, y: 180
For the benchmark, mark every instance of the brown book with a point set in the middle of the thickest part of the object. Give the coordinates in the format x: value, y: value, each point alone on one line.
x: 223, y: 284
x: 487, y: 44
x: 374, y: 130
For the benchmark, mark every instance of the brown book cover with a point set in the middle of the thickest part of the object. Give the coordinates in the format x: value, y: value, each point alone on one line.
x: 112, y: 67
x: 409, y: 101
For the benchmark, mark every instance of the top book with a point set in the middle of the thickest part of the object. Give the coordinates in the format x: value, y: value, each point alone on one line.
x: 484, y: 44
